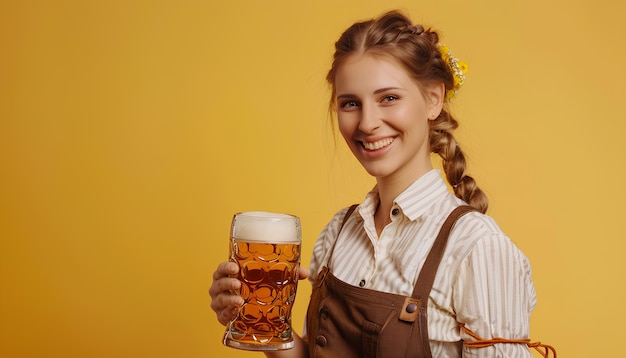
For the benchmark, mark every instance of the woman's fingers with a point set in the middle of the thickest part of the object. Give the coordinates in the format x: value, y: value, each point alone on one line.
x: 224, y: 285
x: 303, y: 273
x: 222, y: 280
x: 224, y: 269
x: 224, y: 301
x: 226, y: 307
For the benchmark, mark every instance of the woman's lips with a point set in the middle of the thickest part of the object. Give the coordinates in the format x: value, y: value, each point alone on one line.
x: 377, y: 144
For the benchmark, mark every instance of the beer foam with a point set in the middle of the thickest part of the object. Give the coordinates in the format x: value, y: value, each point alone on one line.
x: 263, y: 226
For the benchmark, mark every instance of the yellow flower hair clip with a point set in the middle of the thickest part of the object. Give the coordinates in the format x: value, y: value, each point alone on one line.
x: 459, y: 69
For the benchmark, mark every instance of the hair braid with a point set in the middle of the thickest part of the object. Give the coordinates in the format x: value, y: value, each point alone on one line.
x: 443, y: 143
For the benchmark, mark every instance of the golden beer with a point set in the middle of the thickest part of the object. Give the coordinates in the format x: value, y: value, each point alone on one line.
x: 266, y: 246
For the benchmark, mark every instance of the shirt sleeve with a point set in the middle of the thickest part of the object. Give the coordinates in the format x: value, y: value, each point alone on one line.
x: 494, y: 296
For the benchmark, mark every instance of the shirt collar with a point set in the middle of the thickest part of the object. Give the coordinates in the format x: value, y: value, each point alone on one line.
x: 415, y: 200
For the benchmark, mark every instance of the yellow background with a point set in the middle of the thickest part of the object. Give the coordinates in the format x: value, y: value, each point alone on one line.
x: 131, y: 131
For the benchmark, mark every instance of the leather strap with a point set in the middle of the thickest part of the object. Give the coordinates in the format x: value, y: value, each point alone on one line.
x: 543, y: 349
x: 426, y: 276
x: 348, y: 213
x: 345, y: 219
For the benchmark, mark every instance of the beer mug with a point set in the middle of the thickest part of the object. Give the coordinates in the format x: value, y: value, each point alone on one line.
x: 267, y: 248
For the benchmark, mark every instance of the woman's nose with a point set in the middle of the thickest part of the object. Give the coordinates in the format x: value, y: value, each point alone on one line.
x: 370, y: 118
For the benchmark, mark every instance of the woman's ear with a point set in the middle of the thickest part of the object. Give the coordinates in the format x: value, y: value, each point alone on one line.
x: 435, y: 95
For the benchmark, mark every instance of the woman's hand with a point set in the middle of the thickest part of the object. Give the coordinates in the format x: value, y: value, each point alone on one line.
x: 224, y: 298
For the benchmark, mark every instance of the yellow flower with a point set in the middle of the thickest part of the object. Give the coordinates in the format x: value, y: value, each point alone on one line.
x: 458, y: 68
x: 463, y: 66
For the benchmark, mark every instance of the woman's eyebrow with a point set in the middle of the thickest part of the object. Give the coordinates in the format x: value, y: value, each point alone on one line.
x: 346, y: 95
x: 380, y: 90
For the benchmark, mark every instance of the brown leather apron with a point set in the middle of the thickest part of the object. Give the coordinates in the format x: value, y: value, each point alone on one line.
x: 347, y: 321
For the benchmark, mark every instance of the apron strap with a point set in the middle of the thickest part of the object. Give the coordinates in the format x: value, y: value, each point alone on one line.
x: 416, y: 307
x: 426, y: 276
x: 345, y: 219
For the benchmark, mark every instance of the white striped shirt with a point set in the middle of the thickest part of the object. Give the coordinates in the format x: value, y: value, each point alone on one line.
x: 484, y: 281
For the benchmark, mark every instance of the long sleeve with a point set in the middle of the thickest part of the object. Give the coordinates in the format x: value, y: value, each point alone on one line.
x: 494, y: 295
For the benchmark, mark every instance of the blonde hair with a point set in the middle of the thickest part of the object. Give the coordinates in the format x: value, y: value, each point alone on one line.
x: 415, y: 48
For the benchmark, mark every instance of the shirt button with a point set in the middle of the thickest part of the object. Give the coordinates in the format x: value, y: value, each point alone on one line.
x: 395, y: 211
x: 321, y: 341
x: 362, y: 283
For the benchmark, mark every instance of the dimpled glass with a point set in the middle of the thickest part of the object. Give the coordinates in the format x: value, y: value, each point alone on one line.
x: 267, y: 248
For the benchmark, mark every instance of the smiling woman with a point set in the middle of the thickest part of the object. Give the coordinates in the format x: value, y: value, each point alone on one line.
x: 420, y: 270
x: 131, y: 131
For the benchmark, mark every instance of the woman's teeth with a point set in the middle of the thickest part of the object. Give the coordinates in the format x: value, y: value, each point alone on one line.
x: 378, y: 144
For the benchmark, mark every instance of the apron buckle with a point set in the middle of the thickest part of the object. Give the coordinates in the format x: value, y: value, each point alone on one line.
x: 321, y: 277
x: 410, y: 309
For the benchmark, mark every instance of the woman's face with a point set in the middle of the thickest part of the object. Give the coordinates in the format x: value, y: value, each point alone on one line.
x: 383, y: 116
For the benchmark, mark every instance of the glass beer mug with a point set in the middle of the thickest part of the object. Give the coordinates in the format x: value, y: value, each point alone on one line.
x: 266, y: 246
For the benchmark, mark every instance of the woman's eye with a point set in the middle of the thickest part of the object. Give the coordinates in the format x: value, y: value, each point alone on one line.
x: 389, y: 98
x: 349, y: 104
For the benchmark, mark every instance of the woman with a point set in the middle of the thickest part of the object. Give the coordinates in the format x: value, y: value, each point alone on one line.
x: 390, y: 83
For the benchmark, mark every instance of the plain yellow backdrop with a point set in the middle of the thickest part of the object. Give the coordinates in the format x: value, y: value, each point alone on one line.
x: 131, y: 131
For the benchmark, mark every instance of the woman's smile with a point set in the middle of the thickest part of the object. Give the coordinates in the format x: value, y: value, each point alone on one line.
x: 377, y: 144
